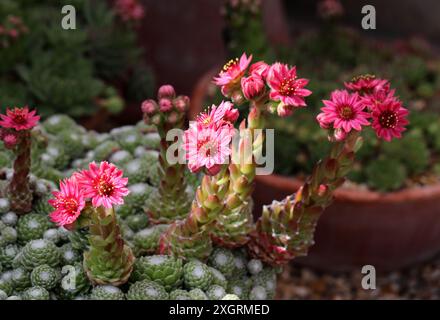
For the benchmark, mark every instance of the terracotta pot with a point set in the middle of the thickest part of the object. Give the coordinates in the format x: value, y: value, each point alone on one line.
x: 200, y: 91
x: 388, y: 231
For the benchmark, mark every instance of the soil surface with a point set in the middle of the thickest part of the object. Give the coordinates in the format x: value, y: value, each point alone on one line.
x: 419, y: 282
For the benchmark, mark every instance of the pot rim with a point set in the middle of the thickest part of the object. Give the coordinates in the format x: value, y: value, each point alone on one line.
x: 358, y: 194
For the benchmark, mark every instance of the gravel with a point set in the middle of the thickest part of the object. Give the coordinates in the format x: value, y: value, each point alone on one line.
x: 418, y: 282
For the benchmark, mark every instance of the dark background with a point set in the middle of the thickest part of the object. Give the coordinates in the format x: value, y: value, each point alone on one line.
x: 183, y: 39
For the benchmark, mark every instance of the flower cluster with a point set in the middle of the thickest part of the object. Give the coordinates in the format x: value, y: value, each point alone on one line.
x: 129, y: 10
x: 168, y: 106
x: 329, y: 9
x: 15, y: 121
x: 277, y: 83
x: 372, y: 102
x: 11, y: 30
x: 102, y: 185
x: 276, y: 87
x: 207, y: 141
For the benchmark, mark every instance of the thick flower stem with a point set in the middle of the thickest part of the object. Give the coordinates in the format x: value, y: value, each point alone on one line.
x: 109, y: 260
x: 235, y: 222
x: 286, y: 228
x: 190, y: 238
x: 19, y: 191
x: 170, y: 201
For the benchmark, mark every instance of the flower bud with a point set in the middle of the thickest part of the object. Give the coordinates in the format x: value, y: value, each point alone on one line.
x: 10, y: 140
x: 284, y: 110
x: 181, y: 103
x: 261, y: 68
x: 166, y: 91
x: 231, y: 115
x: 252, y: 86
x: 237, y: 97
x: 165, y: 105
x: 340, y: 134
x: 149, y: 106
x: 322, y: 120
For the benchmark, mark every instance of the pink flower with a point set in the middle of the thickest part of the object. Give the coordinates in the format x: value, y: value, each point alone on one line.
x: 19, y: 119
x: 378, y: 96
x: 232, y: 72
x: 129, y: 10
x: 252, y: 86
x: 207, y: 147
x: 217, y: 116
x: 285, y: 86
x: 104, y: 184
x: 389, y: 119
x: 366, y: 84
x: 68, y: 202
x: 345, y: 111
x: 261, y: 68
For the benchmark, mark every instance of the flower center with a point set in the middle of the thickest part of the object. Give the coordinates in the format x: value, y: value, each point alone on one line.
x: 366, y: 77
x: 19, y: 117
x: 388, y: 119
x: 204, y: 119
x: 70, y: 205
x: 105, y: 188
x: 229, y: 65
x: 288, y: 87
x: 346, y: 112
x: 206, y: 146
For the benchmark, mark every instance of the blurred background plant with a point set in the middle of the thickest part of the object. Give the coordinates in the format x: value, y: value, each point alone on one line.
x: 329, y: 55
x: 96, y: 67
